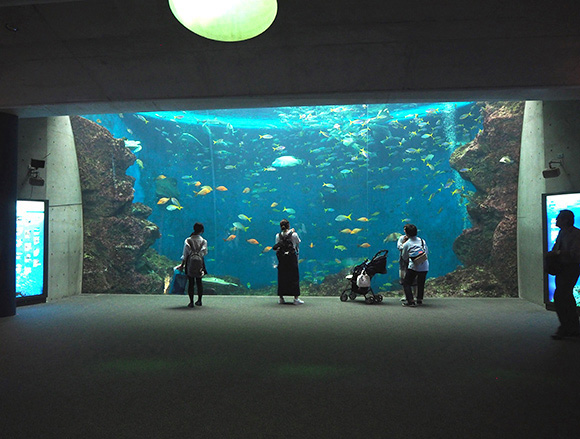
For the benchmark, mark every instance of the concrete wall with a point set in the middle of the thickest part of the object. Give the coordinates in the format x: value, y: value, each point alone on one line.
x: 52, y: 139
x: 8, y: 174
x: 551, y: 130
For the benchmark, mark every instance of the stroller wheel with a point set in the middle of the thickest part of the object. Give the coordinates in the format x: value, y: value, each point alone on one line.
x: 344, y: 296
x: 379, y: 298
x: 352, y: 295
x: 369, y: 299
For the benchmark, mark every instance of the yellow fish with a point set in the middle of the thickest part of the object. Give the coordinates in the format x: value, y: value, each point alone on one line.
x: 221, y: 188
x: 274, y: 204
x: 266, y: 249
x: 355, y: 231
x: 363, y: 219
x: 204, y: 191
x: 252, y: 241
x: 340, y: 247
x: 246, y: 190
x: 163, y: 200
x: 364, y: 245
x: 230, y: 238
x: 346, y: 231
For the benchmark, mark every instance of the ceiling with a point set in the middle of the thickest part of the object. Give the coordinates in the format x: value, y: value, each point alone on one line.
x: 95, y: 56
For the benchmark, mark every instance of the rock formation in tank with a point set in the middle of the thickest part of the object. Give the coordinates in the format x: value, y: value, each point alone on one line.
x: 488, y: 249
x: 117, y: 234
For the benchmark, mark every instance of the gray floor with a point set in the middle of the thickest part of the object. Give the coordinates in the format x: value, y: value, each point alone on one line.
x: 246, y: 367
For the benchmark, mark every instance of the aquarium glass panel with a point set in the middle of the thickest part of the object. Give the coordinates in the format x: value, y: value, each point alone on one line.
x: 347, y: 177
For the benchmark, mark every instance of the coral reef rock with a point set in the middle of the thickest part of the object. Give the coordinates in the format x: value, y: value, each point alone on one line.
x: 117, y: 234
x: 491, y: 163
x: 472, y: 281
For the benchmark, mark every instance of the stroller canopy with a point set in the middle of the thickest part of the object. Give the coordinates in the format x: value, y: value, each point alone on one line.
x: 378, y: 264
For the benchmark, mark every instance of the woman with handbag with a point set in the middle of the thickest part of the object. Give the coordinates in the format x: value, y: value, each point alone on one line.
x: 415, y: 252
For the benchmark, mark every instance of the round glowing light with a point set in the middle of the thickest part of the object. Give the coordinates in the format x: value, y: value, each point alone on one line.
x: 225, y: 20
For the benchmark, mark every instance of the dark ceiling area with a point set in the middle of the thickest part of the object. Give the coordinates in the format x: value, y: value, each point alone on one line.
x: 94, y: 56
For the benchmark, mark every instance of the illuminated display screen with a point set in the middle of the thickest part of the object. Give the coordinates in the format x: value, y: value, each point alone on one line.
x: 31, y: 222
x: 553, y: 204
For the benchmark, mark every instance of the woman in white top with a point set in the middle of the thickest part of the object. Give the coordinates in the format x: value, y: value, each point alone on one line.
x: 415, y: 252
x: 287, y: 247
x: 194, y: 250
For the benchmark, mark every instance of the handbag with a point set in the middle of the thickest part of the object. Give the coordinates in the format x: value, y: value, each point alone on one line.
x: 363, y: 280
x: 178, y: 282
x: 420, y: 256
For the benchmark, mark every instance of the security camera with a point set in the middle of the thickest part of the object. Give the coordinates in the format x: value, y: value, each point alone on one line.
x: 551, y: 172
x: 37, y: 164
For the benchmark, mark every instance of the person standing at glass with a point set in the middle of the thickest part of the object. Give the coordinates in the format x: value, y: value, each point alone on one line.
x: 194, y: 245
x: 403, y: 264
x: 415, y: 252
x: 287, y: 247
x: 567, y: 247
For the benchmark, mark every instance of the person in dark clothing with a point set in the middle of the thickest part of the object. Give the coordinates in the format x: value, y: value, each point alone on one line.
x: 195, y: 247
x: 567, y: 249
x: 287, y: 247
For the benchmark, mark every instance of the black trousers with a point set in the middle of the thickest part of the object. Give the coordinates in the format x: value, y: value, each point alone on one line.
x: 564, y: 299
x: 408, y: 281
x: 192, y: 282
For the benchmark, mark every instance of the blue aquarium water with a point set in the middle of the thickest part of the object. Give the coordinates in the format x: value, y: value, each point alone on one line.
x: 347, y: 177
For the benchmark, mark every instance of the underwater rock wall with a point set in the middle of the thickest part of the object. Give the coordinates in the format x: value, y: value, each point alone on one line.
x: 117, y: 234
x: 491, y: 163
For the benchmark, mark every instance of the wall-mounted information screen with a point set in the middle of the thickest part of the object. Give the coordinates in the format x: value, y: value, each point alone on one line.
x: 31, y: 245
x: 552, y: 205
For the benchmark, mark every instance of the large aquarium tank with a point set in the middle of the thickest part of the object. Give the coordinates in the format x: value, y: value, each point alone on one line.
x: 347, y: 177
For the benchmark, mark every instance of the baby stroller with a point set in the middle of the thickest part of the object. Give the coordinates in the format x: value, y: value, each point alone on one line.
x: 360, y: 279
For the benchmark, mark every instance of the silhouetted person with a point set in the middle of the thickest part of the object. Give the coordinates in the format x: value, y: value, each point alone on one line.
x: 415, y: 252
x: 194, y: 250
x: 567, y: 248
x: 286, y: 247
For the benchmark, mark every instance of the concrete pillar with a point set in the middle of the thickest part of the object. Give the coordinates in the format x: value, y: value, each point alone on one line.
x: 531, y: 185
x: 550, y: 131
x: 52, y: 139
x: 8, y: 191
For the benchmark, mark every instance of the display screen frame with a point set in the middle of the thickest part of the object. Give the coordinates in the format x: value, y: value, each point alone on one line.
x: 42, y: 247
x: 552, y: 204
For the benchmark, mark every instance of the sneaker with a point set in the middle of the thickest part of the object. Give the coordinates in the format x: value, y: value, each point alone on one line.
x: 281, y: 300
x: 298, y: 302
x: 419, y: 302
x: 410, y: 304
x: 190, y: 305
x: 198, y: 303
